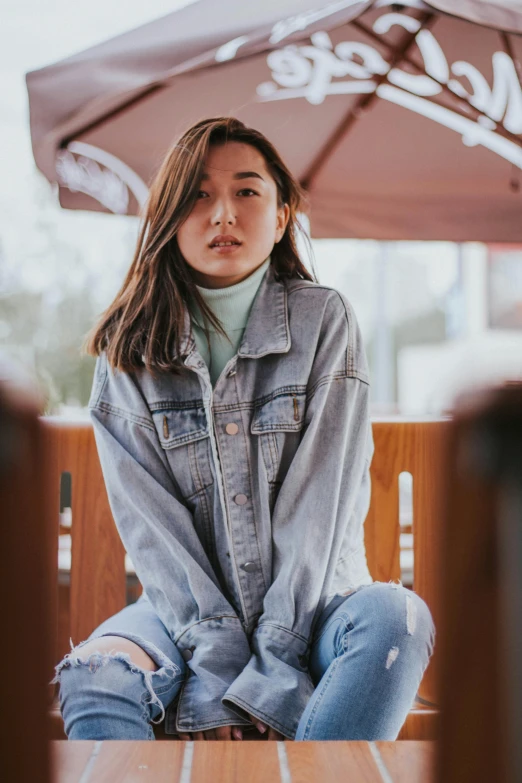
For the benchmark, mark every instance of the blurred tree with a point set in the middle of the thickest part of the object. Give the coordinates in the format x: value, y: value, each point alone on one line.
x: 49, y: 299
x: 46, y: 338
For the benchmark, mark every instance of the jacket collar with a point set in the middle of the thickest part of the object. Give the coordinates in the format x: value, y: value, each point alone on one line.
x: 267, y: 329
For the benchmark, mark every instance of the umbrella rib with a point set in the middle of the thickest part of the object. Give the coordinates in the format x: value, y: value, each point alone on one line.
x: 327, y: 150
x: 500, y: 130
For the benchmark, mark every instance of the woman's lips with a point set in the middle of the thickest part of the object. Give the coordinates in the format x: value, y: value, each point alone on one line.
x: 225, y: 249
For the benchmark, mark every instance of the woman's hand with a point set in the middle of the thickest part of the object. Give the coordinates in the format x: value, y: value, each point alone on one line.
x: 263, y: 728
x: 231, y: 732
x: 219, y: 733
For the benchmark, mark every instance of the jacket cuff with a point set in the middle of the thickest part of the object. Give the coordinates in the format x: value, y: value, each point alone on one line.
x: 215, y: 651
x: 275, y: 686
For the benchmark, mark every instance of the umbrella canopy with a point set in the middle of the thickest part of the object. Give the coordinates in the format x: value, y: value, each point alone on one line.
x: 401, y: 120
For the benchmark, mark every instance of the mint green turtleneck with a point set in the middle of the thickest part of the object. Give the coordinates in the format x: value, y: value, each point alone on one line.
x: 232, y: 306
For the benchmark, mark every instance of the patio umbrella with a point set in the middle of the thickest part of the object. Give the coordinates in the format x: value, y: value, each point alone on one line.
x: 401, y: 120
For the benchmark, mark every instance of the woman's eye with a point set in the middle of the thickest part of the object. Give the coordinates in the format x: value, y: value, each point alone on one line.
x: 204, y: 194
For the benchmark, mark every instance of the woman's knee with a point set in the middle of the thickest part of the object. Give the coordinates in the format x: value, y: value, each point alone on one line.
x: 104, y: 695
x: 399, y: 607
x: 114, y: 667
x: 98, y: 664
x: 118, y: 644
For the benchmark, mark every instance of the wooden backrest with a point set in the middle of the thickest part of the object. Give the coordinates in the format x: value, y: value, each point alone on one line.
x: 98, y: 577
x: 416, y: 447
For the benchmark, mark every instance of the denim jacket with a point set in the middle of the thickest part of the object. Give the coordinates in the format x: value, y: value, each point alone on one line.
x: 242, y: 506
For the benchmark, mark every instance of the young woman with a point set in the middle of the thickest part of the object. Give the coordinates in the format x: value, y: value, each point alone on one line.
x: 230, y: 406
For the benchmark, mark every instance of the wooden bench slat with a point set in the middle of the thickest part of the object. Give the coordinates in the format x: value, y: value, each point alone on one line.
x: 407, y: 762
x: 148, y: 762
x: 235, y: 762
x: 331, y: 762
x: 69, y: 759
x: 243, y: 762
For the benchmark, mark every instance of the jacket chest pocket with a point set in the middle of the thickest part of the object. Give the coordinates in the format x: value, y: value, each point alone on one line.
x: 278, y: 424
x: 184, y: 435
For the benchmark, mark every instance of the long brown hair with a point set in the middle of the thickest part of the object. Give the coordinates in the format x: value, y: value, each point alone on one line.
x: 143, y: 324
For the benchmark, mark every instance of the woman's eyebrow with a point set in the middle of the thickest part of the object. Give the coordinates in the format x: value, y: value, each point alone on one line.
x: 238, y: 175
x: 246, y: 175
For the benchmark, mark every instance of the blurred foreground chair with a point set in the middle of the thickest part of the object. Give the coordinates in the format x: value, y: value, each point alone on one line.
x: 98, y: 576
x: 27, y: 552
x: 480, y: 638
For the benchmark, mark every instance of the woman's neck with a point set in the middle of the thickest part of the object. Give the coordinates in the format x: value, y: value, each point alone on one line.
x: 208, y: 283
x: 231, y: 304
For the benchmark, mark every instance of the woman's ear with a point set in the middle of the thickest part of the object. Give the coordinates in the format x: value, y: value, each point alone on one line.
x: 283, y: 213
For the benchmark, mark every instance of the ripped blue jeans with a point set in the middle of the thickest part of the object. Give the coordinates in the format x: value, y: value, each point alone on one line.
x: 370, y: 649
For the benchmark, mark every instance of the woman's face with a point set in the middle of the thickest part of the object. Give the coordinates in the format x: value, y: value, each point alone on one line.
x: 237, y: 202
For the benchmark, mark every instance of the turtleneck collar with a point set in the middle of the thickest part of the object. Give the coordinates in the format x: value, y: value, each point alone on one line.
x: 231, y: 304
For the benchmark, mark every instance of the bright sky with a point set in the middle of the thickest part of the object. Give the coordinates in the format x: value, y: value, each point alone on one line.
x: 34, y: 34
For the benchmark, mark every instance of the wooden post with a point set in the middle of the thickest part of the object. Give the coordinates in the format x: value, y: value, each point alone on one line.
x: 480, y: 634
x: 28, y: 550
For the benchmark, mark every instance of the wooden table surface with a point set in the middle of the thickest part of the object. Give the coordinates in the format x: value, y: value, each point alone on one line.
x: 88, y: 761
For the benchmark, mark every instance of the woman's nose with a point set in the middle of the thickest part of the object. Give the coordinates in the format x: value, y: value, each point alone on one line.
x: 223, y: 214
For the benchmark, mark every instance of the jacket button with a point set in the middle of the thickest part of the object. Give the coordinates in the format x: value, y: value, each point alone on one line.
x: 249, y: 567
x: 187, y: 654
x: 232, y: 428
x: 240, y: 499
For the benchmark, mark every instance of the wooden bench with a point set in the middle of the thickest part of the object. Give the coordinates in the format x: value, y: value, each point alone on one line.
x: 109, y: 761
x: 98, y: 576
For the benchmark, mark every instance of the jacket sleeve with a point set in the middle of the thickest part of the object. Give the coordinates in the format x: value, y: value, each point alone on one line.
x: 322, y: 503
x: 158, y: 533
